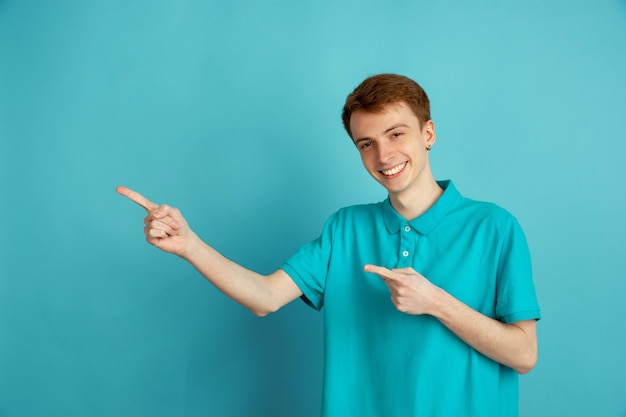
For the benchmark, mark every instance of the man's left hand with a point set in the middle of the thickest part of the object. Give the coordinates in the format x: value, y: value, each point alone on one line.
x: 411, y: 292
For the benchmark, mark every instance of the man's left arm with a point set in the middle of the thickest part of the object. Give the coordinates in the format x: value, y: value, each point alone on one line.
x: 511, y: 344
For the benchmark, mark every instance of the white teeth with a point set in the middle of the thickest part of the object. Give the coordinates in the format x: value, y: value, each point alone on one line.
x: 394, y: 170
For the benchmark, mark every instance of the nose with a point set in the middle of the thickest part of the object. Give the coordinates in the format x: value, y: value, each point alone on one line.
x: 386, y: 152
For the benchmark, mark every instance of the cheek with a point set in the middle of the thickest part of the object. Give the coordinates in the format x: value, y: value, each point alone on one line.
x: 367, y: 160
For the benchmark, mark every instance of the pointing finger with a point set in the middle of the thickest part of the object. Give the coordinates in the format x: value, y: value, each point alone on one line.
x: 136, y: 198
x: 382, y: 272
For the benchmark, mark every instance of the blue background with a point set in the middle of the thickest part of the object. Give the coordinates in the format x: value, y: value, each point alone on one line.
x: 230, y: 111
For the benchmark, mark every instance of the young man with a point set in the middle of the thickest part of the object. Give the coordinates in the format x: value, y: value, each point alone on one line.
x: 460, y: 324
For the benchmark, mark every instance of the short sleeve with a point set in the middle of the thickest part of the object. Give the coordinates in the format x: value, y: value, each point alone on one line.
x: 308, y: 267
x: 516, y: 296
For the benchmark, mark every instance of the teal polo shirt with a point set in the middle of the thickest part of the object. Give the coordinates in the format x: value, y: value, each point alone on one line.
x: 380, y: 362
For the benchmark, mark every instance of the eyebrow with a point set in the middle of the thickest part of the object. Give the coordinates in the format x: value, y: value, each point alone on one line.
x: 389, y: 129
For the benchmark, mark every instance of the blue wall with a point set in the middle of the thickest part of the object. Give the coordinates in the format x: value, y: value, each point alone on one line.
x: 230, y: 111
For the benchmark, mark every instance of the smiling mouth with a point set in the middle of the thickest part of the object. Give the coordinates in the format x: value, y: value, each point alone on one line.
x: 394, y: 170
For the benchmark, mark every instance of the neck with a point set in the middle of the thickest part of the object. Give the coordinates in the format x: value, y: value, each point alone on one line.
x: 411, y: 205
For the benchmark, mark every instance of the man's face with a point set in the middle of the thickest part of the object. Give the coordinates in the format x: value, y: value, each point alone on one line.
x: 393, y: 147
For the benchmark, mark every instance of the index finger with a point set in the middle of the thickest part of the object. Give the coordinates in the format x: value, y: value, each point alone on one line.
x: 135, y: 197
x: 382, y: 272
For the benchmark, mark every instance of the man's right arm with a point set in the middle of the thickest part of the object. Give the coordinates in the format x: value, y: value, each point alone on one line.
x: 260, y: 294
x: 167, y: 229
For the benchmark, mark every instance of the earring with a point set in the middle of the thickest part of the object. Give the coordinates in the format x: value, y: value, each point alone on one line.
x: 428, y: 147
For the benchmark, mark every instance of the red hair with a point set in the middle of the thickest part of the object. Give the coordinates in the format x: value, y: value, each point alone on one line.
x: 374, y: 93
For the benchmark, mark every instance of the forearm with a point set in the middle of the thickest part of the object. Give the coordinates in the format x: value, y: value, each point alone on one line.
x: 260, y: 294
x: 513, y: 344
x: 167, y: 229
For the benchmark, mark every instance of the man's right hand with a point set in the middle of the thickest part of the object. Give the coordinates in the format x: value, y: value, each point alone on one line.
x: 165, y: 227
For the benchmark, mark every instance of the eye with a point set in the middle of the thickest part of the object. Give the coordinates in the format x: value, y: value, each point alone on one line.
x: 396, y: 134
x: 365, y: 144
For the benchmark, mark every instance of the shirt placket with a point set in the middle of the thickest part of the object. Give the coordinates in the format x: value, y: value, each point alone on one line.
x: 408, y: 244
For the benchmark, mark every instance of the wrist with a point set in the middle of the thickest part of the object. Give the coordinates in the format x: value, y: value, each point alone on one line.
x: 193, y: 247
x: 439, y: 301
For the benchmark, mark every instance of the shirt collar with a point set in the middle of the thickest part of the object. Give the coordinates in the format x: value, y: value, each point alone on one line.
x: 428, y: 220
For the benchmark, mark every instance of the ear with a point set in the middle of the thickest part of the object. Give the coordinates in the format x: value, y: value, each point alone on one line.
x: 428, y: 132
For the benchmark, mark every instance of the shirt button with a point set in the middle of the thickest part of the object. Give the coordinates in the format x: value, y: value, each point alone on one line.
x: 407, y: 228
x: 405, y: 253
